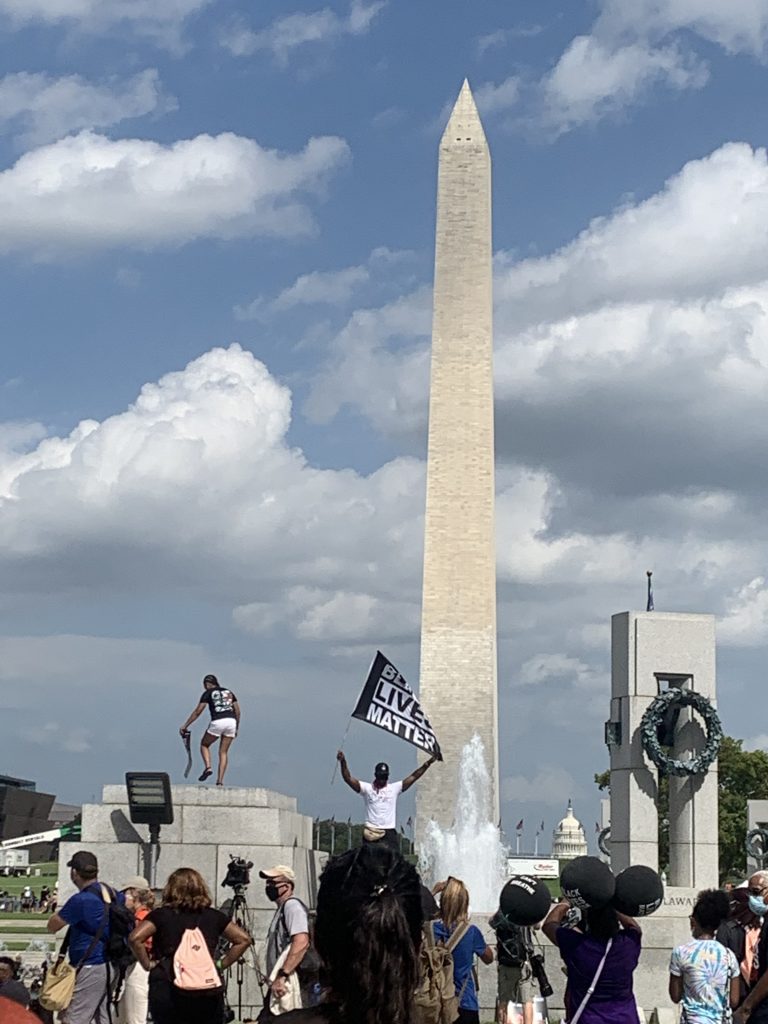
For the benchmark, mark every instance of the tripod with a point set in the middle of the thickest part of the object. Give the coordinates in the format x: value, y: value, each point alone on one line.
x: 237, y: 910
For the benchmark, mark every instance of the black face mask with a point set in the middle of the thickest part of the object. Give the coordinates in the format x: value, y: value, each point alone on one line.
x: 272, y: 891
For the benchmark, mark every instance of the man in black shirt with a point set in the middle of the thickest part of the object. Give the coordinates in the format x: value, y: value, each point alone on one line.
x: 514, y: 946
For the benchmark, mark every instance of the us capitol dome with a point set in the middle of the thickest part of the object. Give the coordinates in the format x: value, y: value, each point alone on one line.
x: 568, y: 839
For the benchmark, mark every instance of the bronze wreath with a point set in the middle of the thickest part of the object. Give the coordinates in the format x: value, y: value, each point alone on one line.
x: 653, y: 718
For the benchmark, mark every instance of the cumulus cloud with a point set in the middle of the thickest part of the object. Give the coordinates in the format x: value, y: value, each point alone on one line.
x: 202, y: 456
x: 293, y: 31
x: 161, y: 22
x: 38, y: 108
x: 88, y: 191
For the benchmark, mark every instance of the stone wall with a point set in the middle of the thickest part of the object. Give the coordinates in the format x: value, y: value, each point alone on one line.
x: 209, y: 825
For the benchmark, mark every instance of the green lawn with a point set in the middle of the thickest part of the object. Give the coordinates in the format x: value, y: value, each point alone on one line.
x: 48, y: 874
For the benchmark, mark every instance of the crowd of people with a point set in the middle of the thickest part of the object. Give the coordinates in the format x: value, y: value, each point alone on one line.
x: 385, y: 949
x: 28, y: 901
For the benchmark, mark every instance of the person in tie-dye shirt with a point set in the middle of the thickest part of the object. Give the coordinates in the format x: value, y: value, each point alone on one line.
x: 703, y: 974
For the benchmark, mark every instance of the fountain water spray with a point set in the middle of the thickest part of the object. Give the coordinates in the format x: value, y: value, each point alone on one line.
x: 471, y: 849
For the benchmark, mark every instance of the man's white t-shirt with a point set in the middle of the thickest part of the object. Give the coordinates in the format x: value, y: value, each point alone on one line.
x: 381, y: 804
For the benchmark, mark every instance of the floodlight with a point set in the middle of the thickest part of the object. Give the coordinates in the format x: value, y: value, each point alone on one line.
x: 150, y: 803
x: 149, y: 798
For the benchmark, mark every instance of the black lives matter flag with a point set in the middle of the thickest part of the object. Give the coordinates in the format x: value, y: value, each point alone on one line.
x: 388, y: 702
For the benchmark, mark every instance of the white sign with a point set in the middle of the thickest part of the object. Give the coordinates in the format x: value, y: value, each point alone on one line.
x: 539, y: 867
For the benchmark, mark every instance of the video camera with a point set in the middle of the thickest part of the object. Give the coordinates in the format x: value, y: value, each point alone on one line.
x: 238, y: 872
x: 537, y: 969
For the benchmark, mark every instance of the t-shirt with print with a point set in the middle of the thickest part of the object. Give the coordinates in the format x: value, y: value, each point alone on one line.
x: 84, y: 913
x: 706, y: 967
x: 290, y: 919
x: 472, y: 944
x: 220, y: 703
x: 381, y: 804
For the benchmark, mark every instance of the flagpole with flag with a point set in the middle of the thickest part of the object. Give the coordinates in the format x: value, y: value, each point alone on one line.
x: 649, y: 602
x: 518, y: 835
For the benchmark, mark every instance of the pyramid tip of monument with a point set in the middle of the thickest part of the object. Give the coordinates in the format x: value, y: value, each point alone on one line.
x: 464, y: 112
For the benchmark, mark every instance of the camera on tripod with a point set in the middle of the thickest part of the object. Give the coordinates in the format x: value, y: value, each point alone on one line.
x: 537, y: 970
x: 238, y: 872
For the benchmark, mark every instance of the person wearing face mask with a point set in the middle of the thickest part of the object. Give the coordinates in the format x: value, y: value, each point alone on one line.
x: 287, y: 939
x: 740, y: 933
x: 755, y: 1006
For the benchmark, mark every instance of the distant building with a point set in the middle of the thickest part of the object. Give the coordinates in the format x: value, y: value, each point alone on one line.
x: 568, y: 839
x: 24, y: 812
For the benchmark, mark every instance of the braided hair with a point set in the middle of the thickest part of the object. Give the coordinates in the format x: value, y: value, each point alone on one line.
x: 368, y: 933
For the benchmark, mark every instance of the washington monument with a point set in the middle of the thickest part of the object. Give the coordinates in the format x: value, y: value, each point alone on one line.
x: 458, y: 623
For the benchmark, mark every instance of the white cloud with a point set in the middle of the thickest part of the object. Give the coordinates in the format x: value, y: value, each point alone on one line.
x: 293, y: 31
x: 593, y: 79
x: 161, y: 22
x: 201, y: 456
x: 87, y: 191
x: 323, y: 287
x: 492, y: 99
x: 634, y: 48
x: 745, y: 622
x: 38, y: 108
x: 739, y: 26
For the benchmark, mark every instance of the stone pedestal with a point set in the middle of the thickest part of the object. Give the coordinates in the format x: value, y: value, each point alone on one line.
x: 210, y: 824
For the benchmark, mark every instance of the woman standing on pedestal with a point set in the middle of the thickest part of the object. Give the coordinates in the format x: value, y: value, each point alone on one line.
x: 224, y: 725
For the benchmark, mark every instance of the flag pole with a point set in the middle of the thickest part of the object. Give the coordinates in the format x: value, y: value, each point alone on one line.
x: 340, y: 747
x: 649, y: 602
x: 343, y: 738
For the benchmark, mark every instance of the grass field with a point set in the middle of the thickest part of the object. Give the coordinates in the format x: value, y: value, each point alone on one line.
x: 48, y: 874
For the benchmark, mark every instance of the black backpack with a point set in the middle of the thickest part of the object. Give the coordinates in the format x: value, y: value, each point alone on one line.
x: 117, y: 952
x: 513, y: 942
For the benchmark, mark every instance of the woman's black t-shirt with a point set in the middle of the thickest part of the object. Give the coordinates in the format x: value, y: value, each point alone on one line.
x: 172, y: 923
x: 220, y: 703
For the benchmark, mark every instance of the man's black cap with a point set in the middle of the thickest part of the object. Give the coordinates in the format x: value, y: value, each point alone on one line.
x: 83, y: 862
x: 381, y: 771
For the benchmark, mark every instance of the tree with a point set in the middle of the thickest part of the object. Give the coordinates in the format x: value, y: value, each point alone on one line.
x: 743, y: 775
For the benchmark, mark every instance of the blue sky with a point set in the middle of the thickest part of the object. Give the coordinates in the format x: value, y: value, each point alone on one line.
x: 216, y: 232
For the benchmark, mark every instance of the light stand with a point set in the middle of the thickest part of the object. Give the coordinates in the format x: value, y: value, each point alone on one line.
x: 150, y: 803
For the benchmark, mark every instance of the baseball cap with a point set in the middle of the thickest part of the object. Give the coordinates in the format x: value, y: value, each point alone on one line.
x: 381, y: 771
x: 83, y: 861
x: 135, y: 882
x: 279, y: 871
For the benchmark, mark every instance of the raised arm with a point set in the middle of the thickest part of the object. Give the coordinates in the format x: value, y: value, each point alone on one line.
x: 192, y: 718
x: 348, y: 777
x: 415, y: 775
x: 554, y: 919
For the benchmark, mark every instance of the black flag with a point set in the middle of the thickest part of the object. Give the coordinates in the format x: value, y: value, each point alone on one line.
x: 388, y: 702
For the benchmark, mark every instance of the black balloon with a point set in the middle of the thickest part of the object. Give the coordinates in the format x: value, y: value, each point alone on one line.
x: 639, y: 891
x: 587, y: 882
x: 525, y: 900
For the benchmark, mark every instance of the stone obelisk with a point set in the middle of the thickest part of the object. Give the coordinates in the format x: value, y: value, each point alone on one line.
x: 457, y: 683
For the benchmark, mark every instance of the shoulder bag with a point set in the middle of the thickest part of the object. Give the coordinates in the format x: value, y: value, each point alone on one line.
x: 59, y: 984
x: 593, y: 985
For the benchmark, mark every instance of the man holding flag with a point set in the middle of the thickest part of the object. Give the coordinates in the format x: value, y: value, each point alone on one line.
x: 380, y: 798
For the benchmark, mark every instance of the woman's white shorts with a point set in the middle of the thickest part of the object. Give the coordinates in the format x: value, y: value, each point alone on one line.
x: 222, y: 727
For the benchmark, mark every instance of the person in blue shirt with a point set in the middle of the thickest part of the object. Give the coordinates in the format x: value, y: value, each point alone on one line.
x: 87, y: 915
x: 454, y: 914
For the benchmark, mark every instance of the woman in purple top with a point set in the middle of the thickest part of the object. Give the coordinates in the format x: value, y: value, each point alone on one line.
x: 582, y: 949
